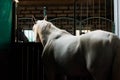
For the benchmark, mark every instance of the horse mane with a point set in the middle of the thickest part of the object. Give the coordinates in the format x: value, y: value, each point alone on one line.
x: 45, y: 28
x: 50, y: 27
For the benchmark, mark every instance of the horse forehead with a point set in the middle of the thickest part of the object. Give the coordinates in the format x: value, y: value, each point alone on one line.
x: 39, y: 21
x: 42, y: 23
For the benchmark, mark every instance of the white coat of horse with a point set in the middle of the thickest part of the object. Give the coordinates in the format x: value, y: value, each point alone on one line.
x: 95, y: 55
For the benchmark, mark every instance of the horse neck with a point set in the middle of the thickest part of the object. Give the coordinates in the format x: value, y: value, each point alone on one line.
x: 52, y: 34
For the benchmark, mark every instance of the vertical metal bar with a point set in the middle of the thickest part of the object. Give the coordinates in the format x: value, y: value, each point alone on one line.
x: 105, y: 15
x: 38, y: 63
x: 33, y: 64
x: 22, y: 63
x: 99, y: 13
x: 87, y: 8
x: 74, y: 16
x: 13, y: 21
x: 44, y: 11
x: 16, y: 19
x: 112, y: 27
x: 105, y: 9
x: 111, y: 9
x: 81, y: 12
x: 93, y: 14
x: 112, y: 24
x: 87, y: 14
x: 27, y: 73
x: 81, y: 19
x: 93, y: 8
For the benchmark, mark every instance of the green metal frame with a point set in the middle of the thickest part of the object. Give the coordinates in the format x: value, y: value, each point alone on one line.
x: 82, y: 21
x: 5, y: 22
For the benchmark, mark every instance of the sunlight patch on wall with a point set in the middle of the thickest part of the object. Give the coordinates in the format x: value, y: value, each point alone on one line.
x: 30, y: 35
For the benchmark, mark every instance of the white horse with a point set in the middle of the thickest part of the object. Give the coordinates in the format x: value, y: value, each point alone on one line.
x: 94, y: 55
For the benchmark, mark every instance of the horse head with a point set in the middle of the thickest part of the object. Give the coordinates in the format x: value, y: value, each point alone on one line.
x: 40, y: 29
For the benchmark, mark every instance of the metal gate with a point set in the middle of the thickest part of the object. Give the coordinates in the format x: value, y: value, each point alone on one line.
x: 24, y: 30
x: 26, y: 63
x: 84, y: 25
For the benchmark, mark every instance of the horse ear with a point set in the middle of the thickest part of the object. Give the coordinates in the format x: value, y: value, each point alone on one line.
x: 34, y: 20
x: 45, y: 18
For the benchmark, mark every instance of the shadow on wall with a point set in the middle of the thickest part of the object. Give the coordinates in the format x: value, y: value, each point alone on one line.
x: 20, y: 35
